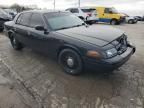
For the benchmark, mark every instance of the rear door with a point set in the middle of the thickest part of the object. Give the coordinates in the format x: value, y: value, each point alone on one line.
x: 21, y: 27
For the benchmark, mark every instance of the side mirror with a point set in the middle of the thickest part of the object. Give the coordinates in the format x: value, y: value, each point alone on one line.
x: 40, y: 28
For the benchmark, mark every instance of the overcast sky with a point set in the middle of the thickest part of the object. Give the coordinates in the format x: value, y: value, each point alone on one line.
x: 128, y: 6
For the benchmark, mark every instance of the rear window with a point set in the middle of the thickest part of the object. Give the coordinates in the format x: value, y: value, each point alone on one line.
x: 74, y: 10
x: 24, y: 19
x: 88, y: 10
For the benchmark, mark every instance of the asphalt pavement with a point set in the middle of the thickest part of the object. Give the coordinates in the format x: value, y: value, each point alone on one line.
x: 31, y: 80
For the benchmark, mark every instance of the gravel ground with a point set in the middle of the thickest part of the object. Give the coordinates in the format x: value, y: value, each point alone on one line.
x: 31, y: 80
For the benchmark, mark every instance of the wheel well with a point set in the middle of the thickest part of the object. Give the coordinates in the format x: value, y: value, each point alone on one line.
x: 130, y: 20
x: 113, y: 19
x: 66, y: 47
x: 9, y: 34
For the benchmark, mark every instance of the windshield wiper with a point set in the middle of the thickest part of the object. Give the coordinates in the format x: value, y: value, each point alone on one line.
x: 71, y: 26
x: 78, y: 25
x: 62, y: 28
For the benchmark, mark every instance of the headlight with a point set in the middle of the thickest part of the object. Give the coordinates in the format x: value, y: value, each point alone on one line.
x: 112, y: 52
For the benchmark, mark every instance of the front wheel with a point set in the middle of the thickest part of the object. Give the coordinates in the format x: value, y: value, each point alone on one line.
x: 70, y: 61
x: 130, y: 21
x: 14, y: 42
x: 113, y: 22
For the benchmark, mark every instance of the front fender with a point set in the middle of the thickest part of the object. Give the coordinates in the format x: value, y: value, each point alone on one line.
x: 70, y: 47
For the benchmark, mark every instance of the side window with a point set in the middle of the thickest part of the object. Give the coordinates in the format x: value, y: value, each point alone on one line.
x: 25, y: 18
x: 36, y: 19
x: 107, y: 10
x: 75, y: 10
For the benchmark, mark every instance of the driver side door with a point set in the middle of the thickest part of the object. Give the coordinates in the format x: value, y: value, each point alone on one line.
x: 107, y: 16
x: 38, y: 39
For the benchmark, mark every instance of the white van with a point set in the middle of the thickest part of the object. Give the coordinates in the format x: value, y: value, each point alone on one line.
x: 130, y: 19
x: 85, y: 13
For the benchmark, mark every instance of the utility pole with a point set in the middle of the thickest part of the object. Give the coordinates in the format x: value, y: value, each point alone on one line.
x: 78, y: 3
x: 54, y: 4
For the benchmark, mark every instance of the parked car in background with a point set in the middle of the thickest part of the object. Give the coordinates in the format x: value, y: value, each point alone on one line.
x: 3, y: 18
x: 11, y: 12
x: 65, y: 37
x: 139, y: 18
x: 130, y: 19
x: 87, y: 14
x: 143, y: 18
x: 109, y: 15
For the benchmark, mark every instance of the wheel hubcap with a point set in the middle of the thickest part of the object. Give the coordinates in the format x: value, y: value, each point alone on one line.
x: 70, y: 62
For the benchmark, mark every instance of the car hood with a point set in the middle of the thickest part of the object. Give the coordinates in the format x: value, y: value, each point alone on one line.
x: 96, y: 34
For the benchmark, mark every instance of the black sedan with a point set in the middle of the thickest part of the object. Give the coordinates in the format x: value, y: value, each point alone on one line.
x: 3, y: 18
x: 67, y: 38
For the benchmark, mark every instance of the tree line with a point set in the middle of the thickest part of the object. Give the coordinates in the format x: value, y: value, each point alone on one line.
x: 19, y: 8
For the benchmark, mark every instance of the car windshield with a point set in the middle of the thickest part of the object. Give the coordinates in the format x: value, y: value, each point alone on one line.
x: 88, y: 10
x: 63, y: 21
x: 114, y: 10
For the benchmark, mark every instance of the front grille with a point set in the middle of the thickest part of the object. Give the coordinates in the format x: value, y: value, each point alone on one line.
x: 122, y: 44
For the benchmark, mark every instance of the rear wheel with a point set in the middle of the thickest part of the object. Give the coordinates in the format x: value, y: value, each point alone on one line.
x: 14, y: 42
x: 70, y: 61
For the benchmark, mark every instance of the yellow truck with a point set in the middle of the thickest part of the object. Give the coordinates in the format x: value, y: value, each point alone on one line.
x: 110, y: 15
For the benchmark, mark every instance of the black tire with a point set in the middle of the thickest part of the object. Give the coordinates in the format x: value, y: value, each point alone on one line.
x: 130, y: 21
x: 70, y: 61
x: 14, y: 42
x: 114, y: 22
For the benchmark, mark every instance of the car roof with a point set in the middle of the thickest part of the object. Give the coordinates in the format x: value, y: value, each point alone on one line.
x: 88, y: 7
x: 44, y: 11
x: 40, y: 12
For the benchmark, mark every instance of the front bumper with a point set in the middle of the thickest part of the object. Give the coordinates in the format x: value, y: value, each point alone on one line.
x: 2, y: 23
x: 122, y: 20
x: 112, y: 63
